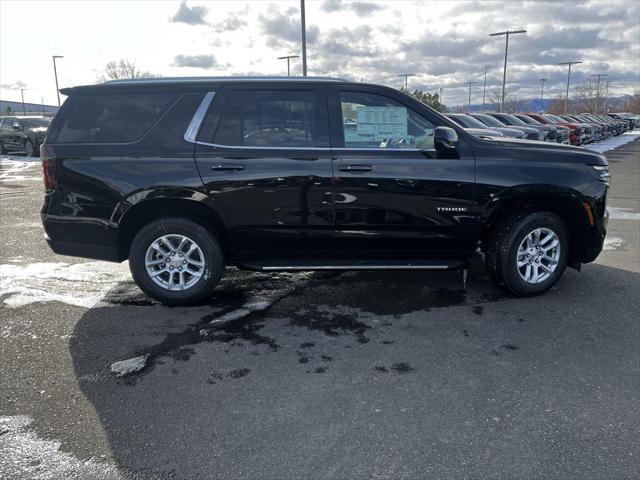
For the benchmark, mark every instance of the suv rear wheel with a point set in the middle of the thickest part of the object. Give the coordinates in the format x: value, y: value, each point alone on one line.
x: 29, y: 148
x: 528, y: 253
x: 176, y: 261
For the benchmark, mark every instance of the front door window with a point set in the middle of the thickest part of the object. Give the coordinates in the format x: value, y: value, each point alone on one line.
x: 375, y: 121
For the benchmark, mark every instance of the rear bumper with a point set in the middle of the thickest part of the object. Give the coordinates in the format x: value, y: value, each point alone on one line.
x: 84, y: 250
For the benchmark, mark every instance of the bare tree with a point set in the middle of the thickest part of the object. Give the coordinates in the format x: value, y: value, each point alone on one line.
x: 123, y: 68
x: 585, y: 96
x: 556, y: 106
x: 633, y: 105
x: 512, y: 103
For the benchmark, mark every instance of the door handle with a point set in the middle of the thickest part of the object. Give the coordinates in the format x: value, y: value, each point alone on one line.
x: 355, y: 168
x: 227, y: 167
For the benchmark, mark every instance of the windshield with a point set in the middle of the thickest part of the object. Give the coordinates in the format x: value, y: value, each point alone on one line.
x: 468, y: 121
x: 35, y: 122
x: 555, y: 119
x: 527, y: 120
x: 489, y: 120
x: 515, y: 120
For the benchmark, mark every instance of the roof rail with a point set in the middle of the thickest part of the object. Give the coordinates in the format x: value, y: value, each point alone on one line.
x: 222, y: 79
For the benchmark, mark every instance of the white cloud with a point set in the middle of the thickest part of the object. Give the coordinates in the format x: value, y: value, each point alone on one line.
x: 446, y: 43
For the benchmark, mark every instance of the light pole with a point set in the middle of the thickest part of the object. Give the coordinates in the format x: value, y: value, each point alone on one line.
x: 304, y: 39
x: 606, y: 96
x: 595, y: 107
x: 440, y: 96
x: 470, y: 83
x: 542, y: 80
x: 566, y: 99
x: 406, y: 79
x: 24, y: 112
x: 288, y: 57
x: 484, y: 88
x: 55, y: 72
x: 506, y: 49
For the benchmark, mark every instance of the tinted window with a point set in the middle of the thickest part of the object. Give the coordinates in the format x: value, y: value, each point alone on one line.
x: 375, y: 121
x: 489, y: 120
x: 467, y: 121
x: 113, y: 118
x: 272, y: 119
x: 35, y: 122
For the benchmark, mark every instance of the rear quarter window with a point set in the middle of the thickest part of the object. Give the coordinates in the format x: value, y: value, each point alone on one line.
x: 113, y: 118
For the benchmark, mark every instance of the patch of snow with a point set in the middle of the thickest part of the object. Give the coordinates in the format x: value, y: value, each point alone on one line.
x: 131, y: 365
x: 612, y: 243
x: 13, y: 169
x: 80, y: 284
x: 613, y: 142
x: 25, y: 455
x: 618, y: 213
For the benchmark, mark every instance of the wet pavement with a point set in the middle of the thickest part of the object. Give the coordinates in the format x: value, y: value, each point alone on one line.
x: 342, y: 375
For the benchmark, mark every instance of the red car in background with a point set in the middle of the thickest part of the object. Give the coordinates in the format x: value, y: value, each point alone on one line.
x: 575, y: 131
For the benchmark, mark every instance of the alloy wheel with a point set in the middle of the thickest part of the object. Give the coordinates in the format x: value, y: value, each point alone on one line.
x: 174, y: 262
x: 538, y: 255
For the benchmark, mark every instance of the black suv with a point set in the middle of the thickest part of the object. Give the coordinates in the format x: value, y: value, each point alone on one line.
x: 24, y: 134
x: 185, y: 176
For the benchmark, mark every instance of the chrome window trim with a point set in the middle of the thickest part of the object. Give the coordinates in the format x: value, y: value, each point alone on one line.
x: 191, y: 133
x: 324, y: 149
x: 196, y: 121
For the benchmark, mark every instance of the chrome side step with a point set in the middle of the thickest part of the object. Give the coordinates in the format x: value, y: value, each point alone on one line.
x: 290, y: 265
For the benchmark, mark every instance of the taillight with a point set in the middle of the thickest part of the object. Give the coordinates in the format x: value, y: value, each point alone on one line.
x: 49, y: 167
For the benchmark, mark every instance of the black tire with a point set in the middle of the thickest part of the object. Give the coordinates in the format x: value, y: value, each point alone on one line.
x: 29, y: 148
x: 205, y: 240
x: 501, y: 257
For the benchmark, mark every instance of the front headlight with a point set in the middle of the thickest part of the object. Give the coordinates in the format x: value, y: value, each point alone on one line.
x: 602, y: 173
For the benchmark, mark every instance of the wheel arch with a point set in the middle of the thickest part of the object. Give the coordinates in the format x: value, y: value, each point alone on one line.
x: 136, y: 216
x: 568, y: 205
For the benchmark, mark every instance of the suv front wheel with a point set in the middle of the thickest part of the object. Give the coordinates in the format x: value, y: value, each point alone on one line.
x: 176, y: 261
x: 528, y: 253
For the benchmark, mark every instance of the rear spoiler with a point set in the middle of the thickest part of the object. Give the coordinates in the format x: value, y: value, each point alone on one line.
x: 71, y: 90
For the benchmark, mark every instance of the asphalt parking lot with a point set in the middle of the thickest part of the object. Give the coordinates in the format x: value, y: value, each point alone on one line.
x: 353, y: 375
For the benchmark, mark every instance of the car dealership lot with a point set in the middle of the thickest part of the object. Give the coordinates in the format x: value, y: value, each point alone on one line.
x: 354, y: 375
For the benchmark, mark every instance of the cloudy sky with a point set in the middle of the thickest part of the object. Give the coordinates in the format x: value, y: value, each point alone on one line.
x: 445, y: 43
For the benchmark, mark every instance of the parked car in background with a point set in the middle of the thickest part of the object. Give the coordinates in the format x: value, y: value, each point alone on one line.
x: 622, y: 124
x: 23, y: 134
x: 634, y: 119
x: 561, y: 134
x: 533, y: 132
x: 576, y: 136
x: 594, y: 129
x: 468, y: 121
x: 184, y: 177
x: 607, y: 127
x: 618, y: 126
x: 585, y: 128
x: 492, y: 123
x: 483, y: 132
x: 626, y: 118
x: 600, y: 129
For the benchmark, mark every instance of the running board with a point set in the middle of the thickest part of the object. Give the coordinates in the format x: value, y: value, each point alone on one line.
x: 346, y: 264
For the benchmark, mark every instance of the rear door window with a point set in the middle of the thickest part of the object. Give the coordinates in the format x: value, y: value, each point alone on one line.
x: 113, y: 118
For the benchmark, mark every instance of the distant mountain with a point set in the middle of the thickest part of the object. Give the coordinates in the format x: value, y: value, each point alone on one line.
x: 535, y: 105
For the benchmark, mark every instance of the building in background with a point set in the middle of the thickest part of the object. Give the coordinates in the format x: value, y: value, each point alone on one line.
x: 30, y: 108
